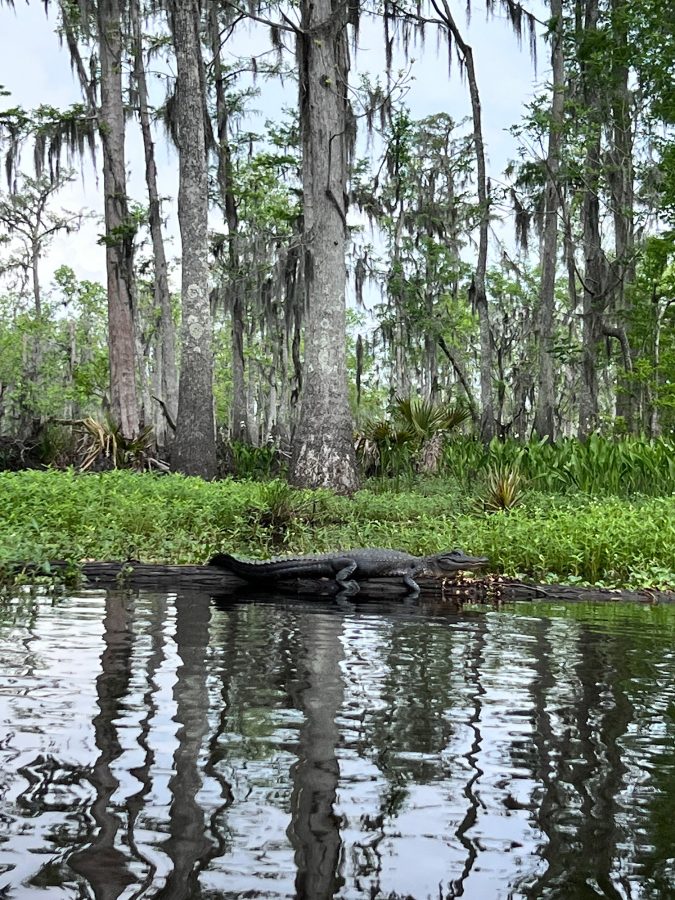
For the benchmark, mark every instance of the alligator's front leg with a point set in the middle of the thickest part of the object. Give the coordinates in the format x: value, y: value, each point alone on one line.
x: 412, y: 585
x: 348, y: 586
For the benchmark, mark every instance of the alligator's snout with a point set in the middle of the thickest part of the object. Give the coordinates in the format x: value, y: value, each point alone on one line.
x: 457, y: 559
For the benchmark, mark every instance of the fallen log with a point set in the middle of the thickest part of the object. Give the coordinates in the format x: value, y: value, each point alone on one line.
x: 463, y: 589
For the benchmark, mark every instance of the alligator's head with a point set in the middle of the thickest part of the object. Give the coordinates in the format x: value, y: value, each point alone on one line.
x: 452, y: 561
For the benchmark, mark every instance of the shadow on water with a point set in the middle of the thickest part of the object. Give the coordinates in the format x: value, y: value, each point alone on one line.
x: 183, y: 746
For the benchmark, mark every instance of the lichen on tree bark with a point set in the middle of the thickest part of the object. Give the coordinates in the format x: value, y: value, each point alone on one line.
x: 323, y: 447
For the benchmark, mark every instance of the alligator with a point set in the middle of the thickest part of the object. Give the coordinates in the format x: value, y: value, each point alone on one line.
x: 347, y: 567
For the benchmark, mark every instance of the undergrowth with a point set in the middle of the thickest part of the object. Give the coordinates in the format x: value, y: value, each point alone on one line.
x: 573, y: 538
x: 599, y: 466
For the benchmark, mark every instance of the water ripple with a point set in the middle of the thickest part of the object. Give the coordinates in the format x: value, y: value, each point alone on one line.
x: 167, y: 746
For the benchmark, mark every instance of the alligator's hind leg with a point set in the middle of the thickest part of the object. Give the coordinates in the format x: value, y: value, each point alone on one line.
x: 348, y: 586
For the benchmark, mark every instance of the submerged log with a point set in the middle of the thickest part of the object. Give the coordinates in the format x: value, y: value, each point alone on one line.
x: 463, y: 589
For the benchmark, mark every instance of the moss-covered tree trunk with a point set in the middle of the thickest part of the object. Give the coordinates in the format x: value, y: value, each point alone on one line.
x: 239, y: 424
x: 195, y: 445
x: 323, y: 448
x: 119, y: 231
x: 594, y: 280
x: 478, y: 292
x: 167, y: 375
x: 622, y: 193
x: 544, y: 420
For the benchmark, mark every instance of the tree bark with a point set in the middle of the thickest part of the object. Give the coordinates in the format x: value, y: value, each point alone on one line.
x: 461, y: 374
x: 323, y: 448
x: 119, y: 230
x: 477, y: 290
x: 622, y: 192
x: 195, y: 445
x: 594, y: 281
x: 239, y: 428
x: 544, y: 423
x: 654, y: 423
x: 167, y: 380
x: 36, y: 355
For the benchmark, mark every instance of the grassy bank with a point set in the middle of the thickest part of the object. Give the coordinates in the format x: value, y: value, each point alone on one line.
x: 170, y: 519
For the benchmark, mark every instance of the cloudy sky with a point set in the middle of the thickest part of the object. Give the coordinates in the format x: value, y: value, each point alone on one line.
x: 35, y: 69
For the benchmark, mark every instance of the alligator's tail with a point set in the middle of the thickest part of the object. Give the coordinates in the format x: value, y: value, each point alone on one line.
x: 257, y: 570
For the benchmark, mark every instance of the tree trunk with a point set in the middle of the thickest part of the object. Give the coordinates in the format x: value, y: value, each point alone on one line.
x: 544, y: 425
x: 195, y: 445
x: 623, y: 200
x: 239, y: 428
x: 238, y: 413
x: 323, y: 447
x: 290, y: 373
x: 143, y: 377
x: 166, y: 342
x: 593, y: 299
x: 594, y: 286
x: 477, y: 290
x: 36, y: 354
x: 35, y: 272
x: 654, y: 391
x: 460, y: 371
x: 119, y: 230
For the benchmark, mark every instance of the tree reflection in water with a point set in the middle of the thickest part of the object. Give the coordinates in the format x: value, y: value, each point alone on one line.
x: 173, y: 747
x: 101, y: 862
x: 314, y: 827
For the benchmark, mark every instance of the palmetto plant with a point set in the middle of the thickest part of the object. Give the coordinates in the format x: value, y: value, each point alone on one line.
x: 104, y: 442
x: 430, y: 421
x: 383, y: 448
x: 411, y: 440
x: 426, y: 418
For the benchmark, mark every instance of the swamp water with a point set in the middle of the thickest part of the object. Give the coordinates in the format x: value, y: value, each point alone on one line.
x: 180, y: 746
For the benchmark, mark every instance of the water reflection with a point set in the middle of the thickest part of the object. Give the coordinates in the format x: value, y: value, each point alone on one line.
x: 174, y: 747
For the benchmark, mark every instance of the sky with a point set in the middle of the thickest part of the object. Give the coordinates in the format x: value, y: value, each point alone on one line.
x: 36, y: 69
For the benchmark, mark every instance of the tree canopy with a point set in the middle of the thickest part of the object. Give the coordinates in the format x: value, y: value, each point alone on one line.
x: 346, y: 253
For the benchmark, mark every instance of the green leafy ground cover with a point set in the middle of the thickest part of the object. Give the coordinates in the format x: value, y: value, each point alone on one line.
x: 572, y: 538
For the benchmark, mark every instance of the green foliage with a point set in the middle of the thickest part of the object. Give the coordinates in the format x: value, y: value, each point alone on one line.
x: 402, y: 444
x: 171, y: 519
x: 56, y: 445
x: 125, y: 232
x: 651, y: 325
x: 266, y: 185
x: 503, y: 489
x: 68, y: 378
x: 280, y: 513
x: 385, y: 448
x: 425, y: 418
x: 620, y: 467
x: 420, y: 197
x: 260, y: 463
x: 103, y: 445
